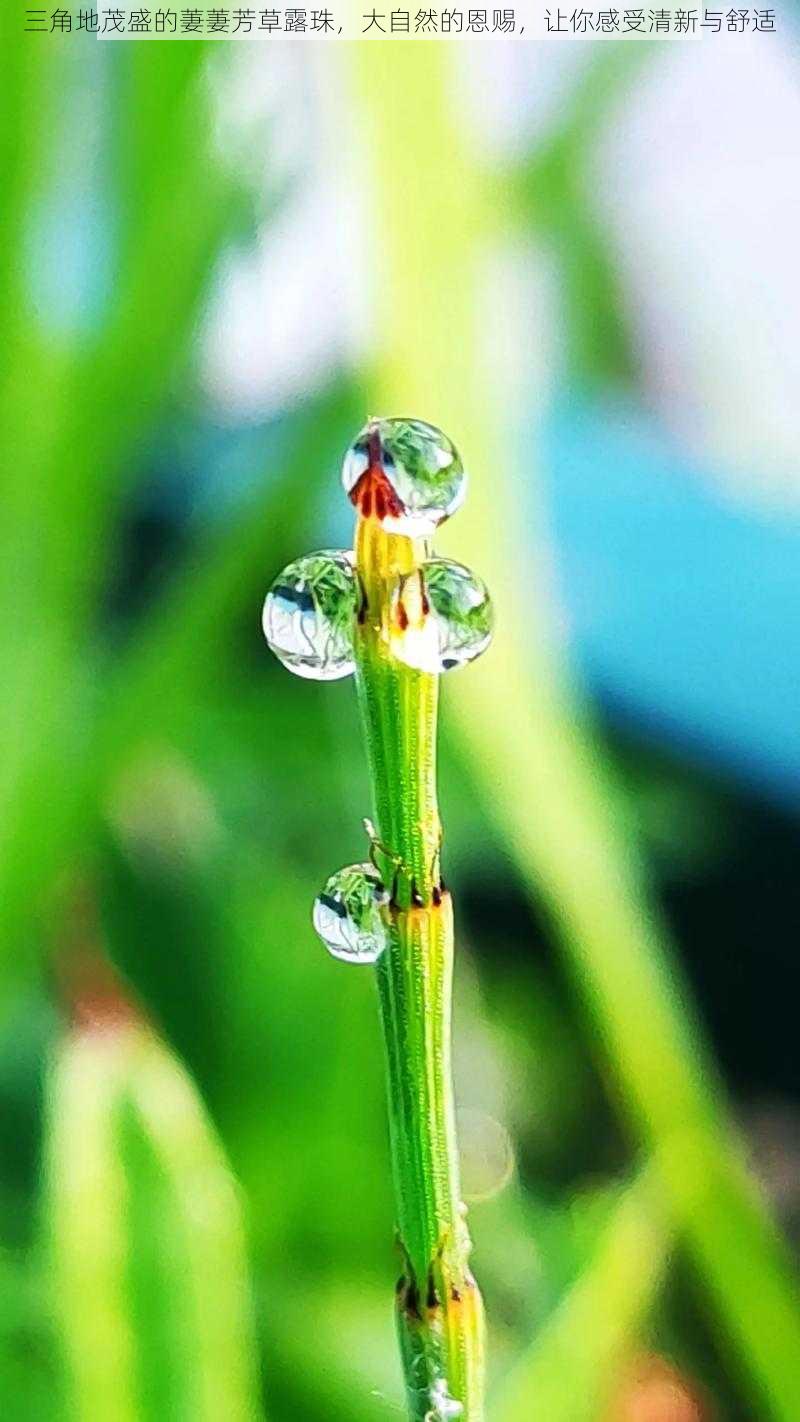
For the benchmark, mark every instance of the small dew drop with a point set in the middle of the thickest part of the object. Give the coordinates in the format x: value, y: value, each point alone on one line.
x: 407, y: 473
x: 309, y: 616
x: 347, y: 914
x: 444, y: 1407
x: 441, y: 617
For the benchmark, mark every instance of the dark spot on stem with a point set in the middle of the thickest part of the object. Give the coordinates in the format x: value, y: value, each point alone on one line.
x: 411, y: 1300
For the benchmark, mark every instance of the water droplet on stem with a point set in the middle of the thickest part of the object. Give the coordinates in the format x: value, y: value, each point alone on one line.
x: 441, y: 616
x: 444, y: 1407
x: 309, y: 615
x: 348, y: 914
x: 406, y: 473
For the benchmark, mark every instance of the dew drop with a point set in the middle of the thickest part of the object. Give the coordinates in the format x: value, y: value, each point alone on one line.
x: 309, y: 615
x: 444, y: 1407
x: 441, y: 616
x: 405, y: 472
x: 348, y: 917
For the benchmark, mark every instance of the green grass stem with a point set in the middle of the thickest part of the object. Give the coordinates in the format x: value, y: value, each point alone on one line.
x: 439, y: 1308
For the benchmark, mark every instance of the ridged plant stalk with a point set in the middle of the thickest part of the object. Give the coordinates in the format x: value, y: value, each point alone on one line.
x: 439, y: 1308
x: 397, y: 616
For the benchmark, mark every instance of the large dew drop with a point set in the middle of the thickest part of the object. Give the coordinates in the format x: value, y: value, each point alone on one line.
x: 348, y: 917
x: 406, y: 473
x: 441, y: 617
x: 309, y: 616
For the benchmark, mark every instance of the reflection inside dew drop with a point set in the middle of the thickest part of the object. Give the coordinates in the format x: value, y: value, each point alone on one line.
x: 348, y: 914
x: 406, y: 473
x: 309, y: 615
x: 441, y: 617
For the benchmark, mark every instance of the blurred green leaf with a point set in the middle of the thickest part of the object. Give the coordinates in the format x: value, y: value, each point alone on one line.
x: 569, y: 1372
x: 150, y: 1280
x: 69, y: 416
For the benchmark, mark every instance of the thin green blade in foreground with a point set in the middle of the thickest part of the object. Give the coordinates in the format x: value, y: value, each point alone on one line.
x: 597, y: 1323
x: 151, y: 1291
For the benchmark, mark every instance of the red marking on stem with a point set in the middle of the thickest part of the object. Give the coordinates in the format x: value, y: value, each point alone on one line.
x: 374, y: 449
x: 402, y: 617
x: 374, y: 490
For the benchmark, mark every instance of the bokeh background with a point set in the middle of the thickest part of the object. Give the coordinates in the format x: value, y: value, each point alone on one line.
x: 215, y: 262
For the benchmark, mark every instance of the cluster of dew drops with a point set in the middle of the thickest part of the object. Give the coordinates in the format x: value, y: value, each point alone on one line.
x: 409, y: 475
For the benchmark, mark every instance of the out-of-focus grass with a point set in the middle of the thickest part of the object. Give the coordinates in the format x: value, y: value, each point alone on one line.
x: 147, y: 1240
x: 550, y: 191
x: 590, y: 1334
x: 80, y: 384
x: 202, y: 797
